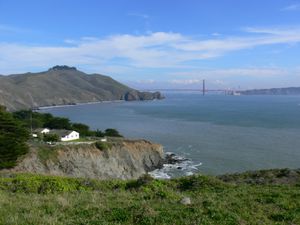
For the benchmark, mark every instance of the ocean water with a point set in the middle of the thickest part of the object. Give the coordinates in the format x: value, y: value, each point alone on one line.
x: 217, y: 133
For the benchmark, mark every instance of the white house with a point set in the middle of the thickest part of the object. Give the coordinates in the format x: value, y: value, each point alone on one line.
x: 70, y: 136
x: 40, y: 131
x: 45, y: 131
x: 66, y: 135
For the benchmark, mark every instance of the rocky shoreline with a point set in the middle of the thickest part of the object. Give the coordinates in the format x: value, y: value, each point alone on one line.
x: 175, y: 166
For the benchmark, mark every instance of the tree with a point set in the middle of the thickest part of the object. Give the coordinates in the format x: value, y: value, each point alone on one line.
x: 99, y: 133
x: 30, y: 118
x: 51, y: 138
x: 112, y: 133
x: 13, y: 137
x: 58, y: 123
x: 83, y: 129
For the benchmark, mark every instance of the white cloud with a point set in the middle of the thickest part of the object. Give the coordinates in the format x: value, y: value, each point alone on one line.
x: 216, y: 34
x: 293, y: 7
x: 263, y: 36
x: 236, y: 78
x: 221, y: 74
x: 149, y: 81
x: 152, y: 50
x: 191, y: 81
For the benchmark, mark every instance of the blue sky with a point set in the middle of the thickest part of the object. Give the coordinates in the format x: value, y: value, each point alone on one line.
x: 157, y: 44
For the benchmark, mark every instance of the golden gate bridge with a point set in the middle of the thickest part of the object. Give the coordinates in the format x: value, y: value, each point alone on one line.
x: 204, y: 90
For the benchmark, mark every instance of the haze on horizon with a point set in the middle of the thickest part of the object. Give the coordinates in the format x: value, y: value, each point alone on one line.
x: 157, y: 44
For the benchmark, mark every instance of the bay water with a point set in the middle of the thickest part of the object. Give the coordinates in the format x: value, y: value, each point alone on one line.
x: 218, y: 134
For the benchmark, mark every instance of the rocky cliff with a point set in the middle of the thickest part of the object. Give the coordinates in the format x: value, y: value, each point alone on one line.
x: 124, y: 159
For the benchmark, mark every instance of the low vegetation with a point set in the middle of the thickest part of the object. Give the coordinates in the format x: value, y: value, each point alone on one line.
x: 50, y: 137
x: 103, y: 146
x: 36, y: 199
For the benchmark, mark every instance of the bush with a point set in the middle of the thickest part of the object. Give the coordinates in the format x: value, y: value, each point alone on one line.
x: 103, y: 146
x: 51, y: 138
x: 141, y: 181
x: 198, y: 182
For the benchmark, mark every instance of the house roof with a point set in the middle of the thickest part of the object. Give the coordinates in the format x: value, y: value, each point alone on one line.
x: 61, y: 133
x: 39, y: 129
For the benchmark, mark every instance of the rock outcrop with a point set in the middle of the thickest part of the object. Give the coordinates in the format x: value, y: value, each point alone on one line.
x: 136, y: 95
x: 125, y: 159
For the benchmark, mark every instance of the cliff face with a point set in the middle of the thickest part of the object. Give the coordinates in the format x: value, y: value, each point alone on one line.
x: 124, y: 160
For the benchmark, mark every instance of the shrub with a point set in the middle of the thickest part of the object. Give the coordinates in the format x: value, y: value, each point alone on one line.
x: 51, y: 138
x: 198, y: 182
x: 103, y: 146
x: 141, y: 181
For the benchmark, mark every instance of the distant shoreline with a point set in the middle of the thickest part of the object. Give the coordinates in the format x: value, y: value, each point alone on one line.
x: 77, y: 104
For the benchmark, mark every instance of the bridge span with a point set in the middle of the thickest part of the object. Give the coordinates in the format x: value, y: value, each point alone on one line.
x: 227, y: 91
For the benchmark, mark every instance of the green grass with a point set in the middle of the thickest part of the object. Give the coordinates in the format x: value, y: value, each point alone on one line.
x: 36, y: 199
x: 81, y: 139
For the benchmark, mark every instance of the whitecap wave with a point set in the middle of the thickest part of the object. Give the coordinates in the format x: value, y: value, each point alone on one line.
x: 185, y: 167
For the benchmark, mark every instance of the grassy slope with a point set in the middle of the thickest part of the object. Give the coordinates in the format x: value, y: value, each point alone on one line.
x: 34, y: 199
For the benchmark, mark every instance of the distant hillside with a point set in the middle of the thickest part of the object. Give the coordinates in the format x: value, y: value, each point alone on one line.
x: 63, y: 85
x: 273, y: 91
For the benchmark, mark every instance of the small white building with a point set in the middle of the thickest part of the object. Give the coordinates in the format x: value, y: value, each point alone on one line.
x: 40, y: 131
x: 45, y: 131
x: 66, y: 135
x: 70, y: 136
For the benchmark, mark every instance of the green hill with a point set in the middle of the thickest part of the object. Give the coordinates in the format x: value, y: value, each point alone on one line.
x: 63, y: 85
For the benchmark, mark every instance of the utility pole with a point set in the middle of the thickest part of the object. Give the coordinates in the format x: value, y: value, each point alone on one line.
x: 203, y: 87
x: 31, y: 121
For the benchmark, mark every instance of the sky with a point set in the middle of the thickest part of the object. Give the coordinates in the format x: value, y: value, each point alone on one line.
x: 235, y: 44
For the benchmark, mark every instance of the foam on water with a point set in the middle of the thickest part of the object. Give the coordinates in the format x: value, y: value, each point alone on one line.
x: 185, y: 167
